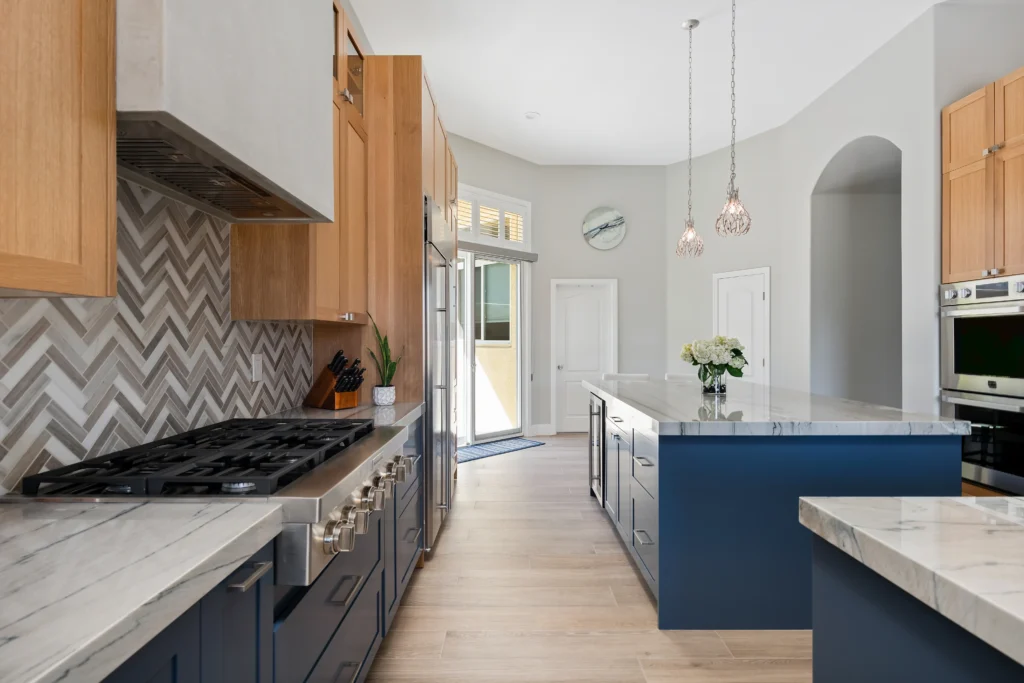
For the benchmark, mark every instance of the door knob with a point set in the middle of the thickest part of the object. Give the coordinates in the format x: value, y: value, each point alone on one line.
x: 559, y: 367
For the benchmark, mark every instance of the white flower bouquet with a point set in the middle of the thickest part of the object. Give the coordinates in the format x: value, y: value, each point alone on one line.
x: 715, y: 357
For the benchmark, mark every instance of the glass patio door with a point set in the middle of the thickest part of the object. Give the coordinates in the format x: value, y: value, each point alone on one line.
x: 490, y: 348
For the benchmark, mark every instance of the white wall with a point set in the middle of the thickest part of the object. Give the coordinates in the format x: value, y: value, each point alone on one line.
x: 561, y: 196
x: 855, y: 321
x: 896, y: 94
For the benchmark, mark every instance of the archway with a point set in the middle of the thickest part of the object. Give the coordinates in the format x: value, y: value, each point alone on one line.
x: 856, y: 336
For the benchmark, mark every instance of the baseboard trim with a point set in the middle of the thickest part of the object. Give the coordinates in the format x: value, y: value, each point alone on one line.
x: 541, y: 430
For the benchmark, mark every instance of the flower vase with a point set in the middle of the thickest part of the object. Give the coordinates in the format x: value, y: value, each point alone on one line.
x: 715, y: 385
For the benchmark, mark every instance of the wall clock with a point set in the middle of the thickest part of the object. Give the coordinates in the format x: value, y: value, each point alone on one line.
x: 604, y: 228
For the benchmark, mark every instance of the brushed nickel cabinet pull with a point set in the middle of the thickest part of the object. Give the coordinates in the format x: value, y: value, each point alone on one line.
x: 260, y: 570
x: 643, y: 462
x: 636, y: 535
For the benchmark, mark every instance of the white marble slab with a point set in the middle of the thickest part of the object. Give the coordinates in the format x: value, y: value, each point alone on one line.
x: 398, y: 415
x: 678, y: 407
x: 963, y: 557
x: 84, y: 586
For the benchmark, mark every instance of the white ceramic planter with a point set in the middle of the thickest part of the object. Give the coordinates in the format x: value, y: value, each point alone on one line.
x: 384, y: 396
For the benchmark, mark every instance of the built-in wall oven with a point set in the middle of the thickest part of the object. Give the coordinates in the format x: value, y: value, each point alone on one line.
x: 982, y: 376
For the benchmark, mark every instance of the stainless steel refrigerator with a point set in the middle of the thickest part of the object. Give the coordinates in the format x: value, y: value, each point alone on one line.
x: 439, y: 356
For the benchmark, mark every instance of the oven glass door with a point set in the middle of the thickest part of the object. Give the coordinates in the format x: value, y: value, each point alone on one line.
x: 983, y: 351
x: 993, y: 453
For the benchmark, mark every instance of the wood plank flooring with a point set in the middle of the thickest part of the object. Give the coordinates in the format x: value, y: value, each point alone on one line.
x: 530, y: 584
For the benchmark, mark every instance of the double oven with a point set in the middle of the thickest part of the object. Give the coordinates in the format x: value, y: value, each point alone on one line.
x: 982, y: 376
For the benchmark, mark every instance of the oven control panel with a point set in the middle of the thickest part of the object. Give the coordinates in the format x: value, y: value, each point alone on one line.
x: 982, y: 291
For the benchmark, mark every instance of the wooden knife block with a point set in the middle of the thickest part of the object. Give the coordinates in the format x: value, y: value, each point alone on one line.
x: 323, y: 395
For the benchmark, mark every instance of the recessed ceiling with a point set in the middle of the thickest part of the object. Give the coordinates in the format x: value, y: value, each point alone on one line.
x: 609, y: 76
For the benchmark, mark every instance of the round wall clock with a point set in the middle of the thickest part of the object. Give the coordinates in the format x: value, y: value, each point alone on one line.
x: 604, y: 228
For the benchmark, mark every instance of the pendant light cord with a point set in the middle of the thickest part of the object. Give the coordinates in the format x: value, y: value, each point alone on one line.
x: 689, y: 152
x: 732, y: 169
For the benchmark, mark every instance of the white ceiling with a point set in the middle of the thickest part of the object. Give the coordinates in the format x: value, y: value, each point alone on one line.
x: 608, y: 77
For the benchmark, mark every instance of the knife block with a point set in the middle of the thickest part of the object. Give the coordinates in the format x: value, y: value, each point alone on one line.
x: 346, y: 399
x: 321, y: 395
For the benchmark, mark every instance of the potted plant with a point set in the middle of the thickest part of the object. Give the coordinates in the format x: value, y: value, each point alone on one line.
x: 713, y: 358
x: 383, y: 393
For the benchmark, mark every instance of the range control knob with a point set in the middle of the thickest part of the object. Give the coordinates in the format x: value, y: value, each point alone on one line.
x: 965, y: 293
x: 358, y: 517
x: 387, y: 483
x: 1020, y: 287
x: 950, y: 294
x: 373, y: 498
x: 396, y: 468
x: 339, y: 537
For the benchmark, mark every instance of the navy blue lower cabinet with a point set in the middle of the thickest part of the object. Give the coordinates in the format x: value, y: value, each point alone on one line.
x: 225, y: 638
x: 404, y: 528
x: 237, y: 624
x: 171, y: 657
x: 307, y: 618
x: 712, y: 522
x: 867, y: 629
x: 350, y: 652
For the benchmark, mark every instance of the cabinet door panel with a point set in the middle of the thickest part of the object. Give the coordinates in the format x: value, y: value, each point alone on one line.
x: 611, y: 473
x: 427, y: 123
x: 440, y: 175
x: 327, y: 244
x: 1010, y: 109
x: 171, y: 657
x: 967, y: 219
x: 57, y: 162
x: 968, y: 129
x: 353, y: 257
x: 625, y: 517
x: 1009, y: 210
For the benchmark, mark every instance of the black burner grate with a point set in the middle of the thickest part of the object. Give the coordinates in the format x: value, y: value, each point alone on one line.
x: 237, y: 457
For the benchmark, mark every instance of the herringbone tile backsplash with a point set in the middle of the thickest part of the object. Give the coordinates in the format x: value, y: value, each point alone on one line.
x: 84, y: 377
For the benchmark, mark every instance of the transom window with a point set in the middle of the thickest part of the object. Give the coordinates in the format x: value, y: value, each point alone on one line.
x: 491, y: 218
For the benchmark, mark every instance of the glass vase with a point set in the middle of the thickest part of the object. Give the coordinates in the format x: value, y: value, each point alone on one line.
x: 715, y: 384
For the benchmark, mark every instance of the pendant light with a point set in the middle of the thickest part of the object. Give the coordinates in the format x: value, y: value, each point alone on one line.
x: 690, y: 245
x: 734, y: 219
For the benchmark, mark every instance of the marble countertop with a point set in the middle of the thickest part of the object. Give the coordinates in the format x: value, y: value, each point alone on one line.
x: 678, y: 407
x: 84, y: 586
x: 398, y: 415
x: 963, y: 557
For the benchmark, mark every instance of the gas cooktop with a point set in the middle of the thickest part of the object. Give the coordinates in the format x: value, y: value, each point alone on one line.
x: 236, y: 457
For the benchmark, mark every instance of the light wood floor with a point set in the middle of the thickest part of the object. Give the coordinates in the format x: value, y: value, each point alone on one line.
x: 529, y: 583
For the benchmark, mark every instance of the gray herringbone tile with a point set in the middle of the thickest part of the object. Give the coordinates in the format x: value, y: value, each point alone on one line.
x: 84, y: 377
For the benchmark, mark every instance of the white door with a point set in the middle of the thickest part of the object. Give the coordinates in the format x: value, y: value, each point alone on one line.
x: 584, y: 341
x: 742, y: 303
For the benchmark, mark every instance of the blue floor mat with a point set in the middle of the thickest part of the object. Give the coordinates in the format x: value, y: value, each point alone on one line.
x: 486, y: 450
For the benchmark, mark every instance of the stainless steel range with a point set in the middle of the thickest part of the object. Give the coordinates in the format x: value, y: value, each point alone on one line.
x: 329, y: 476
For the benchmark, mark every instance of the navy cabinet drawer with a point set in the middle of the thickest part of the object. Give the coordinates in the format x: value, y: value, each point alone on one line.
x: 408, y: 488
x: 301, y: 635
x: 644, y: 463
x: 348, y: 655
x: 408, y: 539
x: 645, y: 532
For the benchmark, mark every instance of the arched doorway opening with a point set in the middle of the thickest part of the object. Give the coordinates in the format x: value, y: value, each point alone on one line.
x: 856, y: 271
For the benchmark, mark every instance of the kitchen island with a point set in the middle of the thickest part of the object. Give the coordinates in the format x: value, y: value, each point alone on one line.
x: 917, y: 589
x: 705, y: 491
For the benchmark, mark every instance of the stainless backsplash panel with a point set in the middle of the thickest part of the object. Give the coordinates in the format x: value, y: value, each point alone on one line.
x: 84, y: 377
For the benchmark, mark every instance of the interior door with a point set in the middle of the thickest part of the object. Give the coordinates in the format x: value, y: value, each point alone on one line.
x: 583, y: 349
x: 742, y: 311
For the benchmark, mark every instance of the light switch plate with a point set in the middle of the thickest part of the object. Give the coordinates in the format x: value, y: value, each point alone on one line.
x: 257, y: 367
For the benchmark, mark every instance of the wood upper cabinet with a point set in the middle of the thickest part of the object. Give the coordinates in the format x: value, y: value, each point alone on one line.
x: 983, y: 183
x: 967, y: 221
x: 1009, y: 109
x: 440, y: 164
x: 58, y: 178
x: 427, y: 126
x: 968, y: 129
x: 313, y: 272
x: 1008, y: 232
